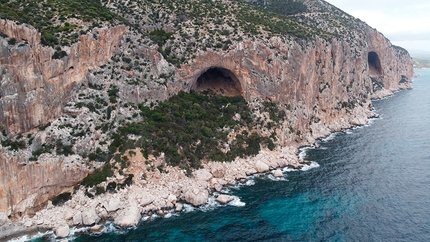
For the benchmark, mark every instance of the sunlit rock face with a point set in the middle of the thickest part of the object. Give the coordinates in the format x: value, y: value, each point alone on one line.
x: 33, y: 85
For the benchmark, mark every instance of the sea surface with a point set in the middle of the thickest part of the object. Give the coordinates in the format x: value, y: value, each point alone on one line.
x: 370, y: 183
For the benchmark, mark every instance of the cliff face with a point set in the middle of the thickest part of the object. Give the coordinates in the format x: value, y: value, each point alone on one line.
x: 33, y: 89
x: 323, y: 80
x: 33, y: 85
x: 327, y: 84
x: 25, y: 188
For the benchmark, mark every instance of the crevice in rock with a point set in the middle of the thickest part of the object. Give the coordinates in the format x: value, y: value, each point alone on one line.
x: 218, y: 80
x: 375, y: 67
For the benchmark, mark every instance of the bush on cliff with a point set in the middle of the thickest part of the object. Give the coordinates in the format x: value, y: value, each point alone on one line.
x: 191, y: 127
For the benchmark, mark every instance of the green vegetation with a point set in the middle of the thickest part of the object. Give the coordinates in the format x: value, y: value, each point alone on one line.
x: 285, y: 7
x: 43, y: 14
x: 14, y: 144
x: 61, y: 199
x: 98, y: 176
x: 191, y: 127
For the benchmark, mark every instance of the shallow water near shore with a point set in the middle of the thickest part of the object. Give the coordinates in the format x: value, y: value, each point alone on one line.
x: 368, y: 184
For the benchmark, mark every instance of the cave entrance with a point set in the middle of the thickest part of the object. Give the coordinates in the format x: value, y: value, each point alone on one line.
x: 375, y: 68
x: 220, y: 81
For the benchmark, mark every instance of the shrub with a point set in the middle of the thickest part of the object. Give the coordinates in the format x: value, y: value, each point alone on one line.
x: 98, y: 176
x: 61, y: 199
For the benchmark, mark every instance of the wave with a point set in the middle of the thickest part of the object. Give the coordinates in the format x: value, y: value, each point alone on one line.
x: 330, y: 137
x: 310, y: 166
x: 274, y: 178
x: 26, y: 238
x: 303, y: 151
x: 210, y: 205
x: 236, y: 202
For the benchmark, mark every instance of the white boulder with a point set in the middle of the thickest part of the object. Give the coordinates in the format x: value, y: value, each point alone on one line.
x: 278, y: 173
x: 62, y: 231
x: 261, y: 166
x: 77, y: 218
x: 90, y: 217
x: 112, y: 205
x: 224, y: 199
x: 202, y: 175
x: 196, y: 196
x: 130, y: 216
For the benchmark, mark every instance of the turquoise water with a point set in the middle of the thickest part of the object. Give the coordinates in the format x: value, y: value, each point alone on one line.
x: 372, y: 184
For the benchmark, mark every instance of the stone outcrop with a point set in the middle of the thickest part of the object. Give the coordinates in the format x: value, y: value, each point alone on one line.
x: 224, y: 199
x: 25, y: 188
x: 278, y: 173
x: 62, y: 231
x: 129, y: 216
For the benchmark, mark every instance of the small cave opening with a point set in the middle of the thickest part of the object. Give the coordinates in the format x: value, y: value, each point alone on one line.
x: 219, y: 81
x: 375, y: 68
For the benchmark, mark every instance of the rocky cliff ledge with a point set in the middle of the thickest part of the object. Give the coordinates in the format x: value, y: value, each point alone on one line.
x: 58, y: 114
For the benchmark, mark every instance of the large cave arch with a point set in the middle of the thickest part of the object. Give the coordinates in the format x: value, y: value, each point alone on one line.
x: 220, y: 81
x: 375, y: 67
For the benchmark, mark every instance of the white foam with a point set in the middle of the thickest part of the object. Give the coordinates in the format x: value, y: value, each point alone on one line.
x: 250, y: 181
x: 330, y: 137
x: 288, y: 169
x: 188, y: 208
x: 236, y: 202
x: 210, y: 205
x: 75, y: 230
x: 28, y: 238
x: 311, y: 166
x: 303, y: 151
x: 168, y: 215
x: 110, y: 227
x: 21, y: 239
x: 274, y: 178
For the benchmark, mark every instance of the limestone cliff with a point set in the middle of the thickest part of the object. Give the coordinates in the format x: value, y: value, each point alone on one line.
x: 33, y: 89
x: 323, y: 77
x: 33, y: 84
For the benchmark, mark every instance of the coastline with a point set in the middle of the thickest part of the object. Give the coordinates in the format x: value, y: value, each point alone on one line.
x: 160, y: 193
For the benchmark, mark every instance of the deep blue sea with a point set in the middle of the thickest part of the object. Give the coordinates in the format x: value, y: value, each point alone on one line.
x: 372, y: 184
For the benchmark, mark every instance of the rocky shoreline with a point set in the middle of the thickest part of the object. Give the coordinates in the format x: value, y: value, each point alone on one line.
x: 157, y: 194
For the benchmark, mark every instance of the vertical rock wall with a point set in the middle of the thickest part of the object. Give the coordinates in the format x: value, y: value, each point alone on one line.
x: 33, y: 86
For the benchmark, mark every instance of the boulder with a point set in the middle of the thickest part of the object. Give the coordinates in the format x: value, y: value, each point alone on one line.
x: 146, y: 200
x: 77, y: 218
x: 217, y: 170
x: 96, y: 228
x: 112, y: 205
x: 90, y: 217
x: 224, y: 199
x: 202, y: 175
x: 179, y: 207
x: 62, y: 231
x: 278, y: 173
x: 130, y: 216
x: 196, y: 196
x: 261, y: 166
x: 171, y: 198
